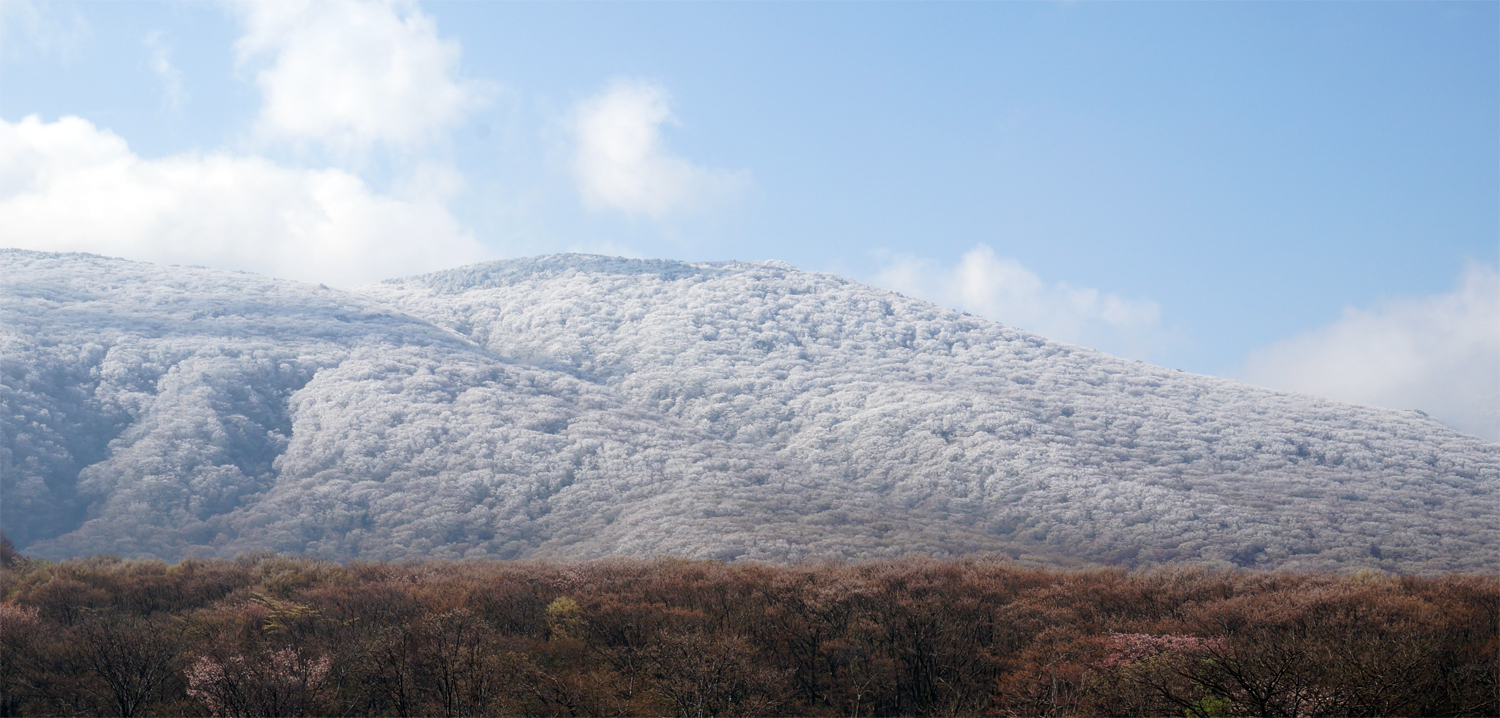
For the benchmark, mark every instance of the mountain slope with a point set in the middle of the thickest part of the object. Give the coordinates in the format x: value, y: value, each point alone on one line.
x: 950, y: 416
x: 166, y: 411
x: 578, y: 406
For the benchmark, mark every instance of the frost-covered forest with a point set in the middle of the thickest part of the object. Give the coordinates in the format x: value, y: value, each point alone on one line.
x: 578, y: 406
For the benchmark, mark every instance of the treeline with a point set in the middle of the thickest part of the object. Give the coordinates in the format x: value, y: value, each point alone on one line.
x: 279, y: 636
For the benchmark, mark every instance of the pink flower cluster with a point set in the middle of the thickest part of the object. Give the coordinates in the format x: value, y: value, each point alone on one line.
x: 15, y: 616
x: 229, y: 688
x: 1127, y: 648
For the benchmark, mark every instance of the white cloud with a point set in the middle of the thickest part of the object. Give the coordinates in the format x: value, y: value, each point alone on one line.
x: 620, y: 162
x: 1439, y: 354
x: 173, y: 92
x: 1000, y: 288
x: 352, y: 73
x: 69, y: 186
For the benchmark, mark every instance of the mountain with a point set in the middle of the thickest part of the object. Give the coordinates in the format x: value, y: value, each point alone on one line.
x: 579, y: 406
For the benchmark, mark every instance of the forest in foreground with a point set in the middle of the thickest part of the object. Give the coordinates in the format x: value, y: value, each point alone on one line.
x: 277, y: 635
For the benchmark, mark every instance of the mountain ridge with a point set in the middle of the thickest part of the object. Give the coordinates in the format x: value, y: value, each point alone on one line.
x: 963, y: 434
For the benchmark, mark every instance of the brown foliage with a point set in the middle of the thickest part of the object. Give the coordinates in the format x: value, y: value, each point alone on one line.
x: 279, y: 635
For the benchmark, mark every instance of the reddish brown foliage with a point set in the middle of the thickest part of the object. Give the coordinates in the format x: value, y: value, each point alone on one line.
x: 269, y: 634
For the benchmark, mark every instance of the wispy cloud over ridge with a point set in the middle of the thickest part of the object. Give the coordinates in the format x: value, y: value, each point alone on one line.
x: 621, y: 163
x: 1002, y: 289
x: 174, y: 92
x: 69, y: 186
x: 351, y: 73
x: 1439, y: 354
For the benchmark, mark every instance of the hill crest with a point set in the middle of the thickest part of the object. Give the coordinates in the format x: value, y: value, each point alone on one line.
x: 726, y: 409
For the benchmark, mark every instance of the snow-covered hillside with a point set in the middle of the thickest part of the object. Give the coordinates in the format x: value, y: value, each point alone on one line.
x: 577, y: 406
x: 169, y: 411
x: 948, y: 415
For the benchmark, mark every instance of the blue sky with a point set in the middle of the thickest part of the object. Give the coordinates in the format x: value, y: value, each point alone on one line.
x: 1303, y: 195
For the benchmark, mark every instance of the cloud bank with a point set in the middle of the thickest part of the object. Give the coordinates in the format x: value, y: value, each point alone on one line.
x: 1439, y: 354
x: 70, y: 186
x: 620, y: 161
x: 353, y: 74
x: 347, y: 75
x: 1001, y: 289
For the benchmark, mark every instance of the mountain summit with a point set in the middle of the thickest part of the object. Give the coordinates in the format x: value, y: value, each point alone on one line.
x: 579, y: 406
